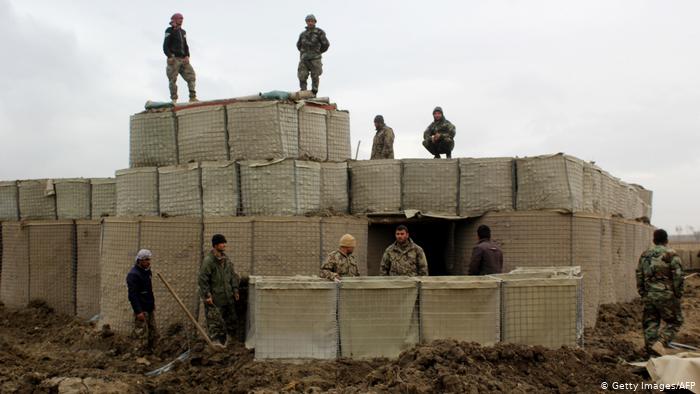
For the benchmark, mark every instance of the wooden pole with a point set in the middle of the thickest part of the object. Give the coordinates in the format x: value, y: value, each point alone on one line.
x: 357, y: 151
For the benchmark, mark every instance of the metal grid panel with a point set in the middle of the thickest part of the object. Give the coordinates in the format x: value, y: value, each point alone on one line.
x: 120, y: 243
x: 587, y: 237
x: 592, y: 189
x: 274, y: 255
x: 485, y: 185
x: 377, y: 319
x: 219, y: 188
x: 9, y: 200
x: 550, y: 182
x: 239, y: 234
x: 14, y: 282
x: 313, y: 143
x: 607, y: 193
x: 176, y: 245
x: 540, y: 312
x: 262, y: 130
x: 332, y: 228
x: 285, y: 187
x: 295, y: 320
x: 201, y: 134
x: 104, y: 197
x: 137, y: 192
x: 52, y: 264
x: 37, y: 199
x: 152, y: 139
x: 375, y: 186
x: 339, y: 147
x: 607, y: 280
x: 619, y: 195
x: 179, y: 190
x: 88, y: 270
x: 430, y: 185
x: 630, y: 263
x: 334, y: 187
x: 72, y: 198
x: 619, y: 265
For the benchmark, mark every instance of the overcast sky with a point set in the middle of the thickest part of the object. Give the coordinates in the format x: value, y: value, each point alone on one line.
x: 615, y: 82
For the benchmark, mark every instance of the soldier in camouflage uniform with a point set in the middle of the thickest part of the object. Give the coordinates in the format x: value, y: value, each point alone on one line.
x: 660, y: 284
x: 341, y: 262
x: 383, y: 144
x: 439, y: 137
x: 403, y: 257
x: 218, y: 287
x: 312, y: 43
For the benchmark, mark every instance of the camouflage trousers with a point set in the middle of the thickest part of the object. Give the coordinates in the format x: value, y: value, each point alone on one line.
x: 221, y: 320
x: 306, y: 67
x: 145, y: 331
x: 442, y: 146
x: 656, y: 309
x: 178, y: 67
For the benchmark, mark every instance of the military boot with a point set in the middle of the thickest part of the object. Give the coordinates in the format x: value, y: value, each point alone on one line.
x: 302, y: 86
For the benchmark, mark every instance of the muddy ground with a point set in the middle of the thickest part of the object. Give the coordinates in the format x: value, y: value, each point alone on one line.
x: 43, y: 352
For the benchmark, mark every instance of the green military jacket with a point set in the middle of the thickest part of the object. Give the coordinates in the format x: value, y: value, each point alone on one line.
x: 312, y: 43
x: 659, y: 273
x: 383, y: 144
x: 406, y: 260
x: 443, y: 127
x: 217, y: 278
x: 338, y: 265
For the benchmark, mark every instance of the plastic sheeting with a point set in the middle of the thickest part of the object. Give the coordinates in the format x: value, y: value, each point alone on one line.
x: 72, y: 198
x: 87, y: 289
x: 430, y: 186
x: 153, y: 139
x: 550, y: 182
x: 201, y: 134
x: 179, y: 190
x: 219, y: 188
x: 9, y: 200
x: 14, y: 282
x: 137, y: 192
x: 334, y: 187
x: 313, y: 137
x: 104, y: 197
x: 486, y: 184
x: 339, y: 147
x: 375, y: 186
x: 37, y: 199
x: 263, y: 130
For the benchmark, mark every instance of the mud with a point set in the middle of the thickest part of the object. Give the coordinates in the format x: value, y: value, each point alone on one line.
x: 44, y: 352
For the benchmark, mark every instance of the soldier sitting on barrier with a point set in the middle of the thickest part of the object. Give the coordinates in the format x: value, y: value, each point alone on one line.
x: 403, y: 257
x: 341, y: 262
x: 439, y: 137
x: 138, y: 282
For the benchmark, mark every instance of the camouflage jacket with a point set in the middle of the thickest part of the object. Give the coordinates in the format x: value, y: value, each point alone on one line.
x: 407, y: 260
x: 312, y: 43
x: 443, y: 127
x: 217, y: 278
x: 659, y: 272
x: 383, y: 144
x: 338, y: 265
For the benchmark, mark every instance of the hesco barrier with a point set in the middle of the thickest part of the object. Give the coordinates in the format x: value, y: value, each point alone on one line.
x: 263, y: 130
x: 137, y: 192
x: 179, y: 190
x: 339, y: 147
x: 302, y: 246
x: 201, y: 134
x: 87, y: 288
x: 9, y: 200
x: 14, y: 282
x: 430, y: 186
x: 219, y: 188
x: 375, y: 186
x: 334, y: 187
x: 313, y: 133
x: 485, y: 185
x: 281, y: 187
x: 37, y: 199
x: 593, y: 196
x: 104, y: 197
x: 72, y: 198
x: 550, y: 182
x: 153, y: 139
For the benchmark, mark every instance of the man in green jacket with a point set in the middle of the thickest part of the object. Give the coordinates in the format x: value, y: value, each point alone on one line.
x: 218, y: 287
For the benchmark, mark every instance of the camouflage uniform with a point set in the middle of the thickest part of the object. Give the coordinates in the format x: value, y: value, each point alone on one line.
x: 218, y: 279
x: 145, y: 331
x: 660, y: 284
x: 176, y: 50
x: 383, y: 144
x: 311, y: 44
x: 447, y: 132
x: 406, y: 260
x: 338, y: 265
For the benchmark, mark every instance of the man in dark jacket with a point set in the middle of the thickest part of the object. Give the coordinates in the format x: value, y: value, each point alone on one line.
x: 138, y: 281
x: 218, y: 287
x: 178, y: 53
x: 487, y: 257
x: 439, y: 137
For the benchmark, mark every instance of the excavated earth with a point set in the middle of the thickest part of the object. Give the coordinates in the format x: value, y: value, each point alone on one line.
x: 43, y: 352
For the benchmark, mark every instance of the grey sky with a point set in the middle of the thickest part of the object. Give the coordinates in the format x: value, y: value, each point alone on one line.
x: 613, y: 82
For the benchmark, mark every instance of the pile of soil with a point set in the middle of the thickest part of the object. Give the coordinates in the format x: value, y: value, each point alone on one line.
x: 41, y: 351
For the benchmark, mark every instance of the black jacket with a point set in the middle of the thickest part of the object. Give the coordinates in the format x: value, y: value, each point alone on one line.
x: 487, y: 258
x: 138, y: 280
x: 175, y: 43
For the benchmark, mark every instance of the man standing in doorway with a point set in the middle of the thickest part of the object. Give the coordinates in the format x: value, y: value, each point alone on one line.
x: 178, y: 53
x: 403, y: 257
x: 143, y: 303
x: 383, y: 144
x: 439, y: 137
x: 312, y: 43
x: 341, y: 262
x: 487, y: 257
x: 218, y: 287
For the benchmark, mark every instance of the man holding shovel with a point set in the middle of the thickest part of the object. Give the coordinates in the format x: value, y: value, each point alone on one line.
x: 138, y: 281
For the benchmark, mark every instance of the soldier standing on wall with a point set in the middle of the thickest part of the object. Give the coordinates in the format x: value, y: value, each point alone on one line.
x: 383, y: 144
x: 143, y: 303
x: 439, y: 137
x: 341, y: 262
x: 403, y: 257
x: 178, y: 53
x: 312, y: 43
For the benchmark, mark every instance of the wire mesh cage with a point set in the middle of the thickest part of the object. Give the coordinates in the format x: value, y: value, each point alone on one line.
x: 375, y: 186
x: 485, y: 184
x: 334, y: 187
x: 593, y: 189
x: 263, y: 130
x: 550, y: 182
x: 87, y: 289
x: 220, y: 195
x: 179, y: 190
x: 137, y: 192
x: 152, y: 139
x: 9, y: 200
x: 73, y: 198
x: 313, y: 138
x: 14, y: 282
x: 272, y: 256
x: 104, y: 197
x: 430, y: 185
x: 201, y: 134
x: 37, y: 199
x: 339, y: 147
x: 587, y: 251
